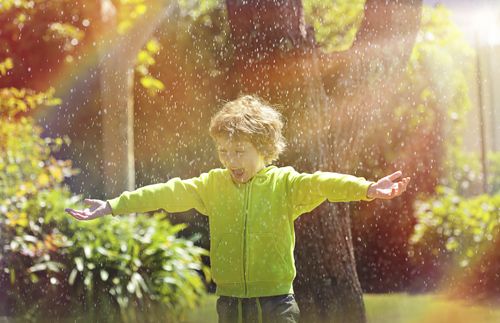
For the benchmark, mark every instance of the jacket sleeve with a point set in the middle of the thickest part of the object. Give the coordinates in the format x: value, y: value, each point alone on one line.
x: 307, y: 191
x: 176, y: 195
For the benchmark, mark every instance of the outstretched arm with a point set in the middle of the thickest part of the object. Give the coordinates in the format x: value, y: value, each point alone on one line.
x: 176, y: 195
x: 386, y: 188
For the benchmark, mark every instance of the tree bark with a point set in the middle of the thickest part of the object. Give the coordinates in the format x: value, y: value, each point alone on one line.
x: 276, y: 57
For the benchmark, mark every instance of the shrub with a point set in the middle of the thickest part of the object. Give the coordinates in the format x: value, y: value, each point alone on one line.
x: 53, y: 264
x: 454, y: 238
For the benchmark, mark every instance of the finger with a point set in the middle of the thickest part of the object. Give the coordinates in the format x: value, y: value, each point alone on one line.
x: 389, y: 195
x: 401, y: 185
x: 73, y: 213
x: 89, y: 201
x: 403, y: 188
x: 394, y: 175
x: 78, y: 214
x: 395, y: 190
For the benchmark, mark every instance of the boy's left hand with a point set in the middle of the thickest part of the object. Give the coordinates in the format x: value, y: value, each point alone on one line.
x: 385, y: 188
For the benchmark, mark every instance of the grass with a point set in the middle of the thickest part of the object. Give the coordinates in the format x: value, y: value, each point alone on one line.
x: 428, y: 308
x: 394, y: 308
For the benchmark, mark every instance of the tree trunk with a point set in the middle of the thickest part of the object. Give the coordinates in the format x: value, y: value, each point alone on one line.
x: 275, y: 56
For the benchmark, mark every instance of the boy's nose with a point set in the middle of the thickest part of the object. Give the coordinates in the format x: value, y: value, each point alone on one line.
x: 232, y: 160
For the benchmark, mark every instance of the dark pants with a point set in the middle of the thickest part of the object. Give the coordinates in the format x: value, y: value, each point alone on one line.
x: 269, y: 309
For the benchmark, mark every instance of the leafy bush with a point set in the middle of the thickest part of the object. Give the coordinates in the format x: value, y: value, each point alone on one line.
x: 137, y: 259
x: 53, y: 264
x: 63, y: 267
x: 465, y: 172
x: 456, y: 235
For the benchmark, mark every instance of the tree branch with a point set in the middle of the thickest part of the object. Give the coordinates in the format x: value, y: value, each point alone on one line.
x: 387, y: 33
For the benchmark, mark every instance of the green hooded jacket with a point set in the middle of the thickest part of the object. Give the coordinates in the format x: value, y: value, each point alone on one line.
x: 251, y: 224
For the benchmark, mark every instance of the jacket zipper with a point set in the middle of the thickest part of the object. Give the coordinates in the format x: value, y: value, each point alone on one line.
x: 247, y: 193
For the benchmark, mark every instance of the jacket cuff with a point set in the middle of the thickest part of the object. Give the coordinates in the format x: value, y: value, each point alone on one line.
x: 366, y: 186
x: 113, y: 203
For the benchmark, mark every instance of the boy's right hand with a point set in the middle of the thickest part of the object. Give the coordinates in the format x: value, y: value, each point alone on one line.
x: 97, y: 209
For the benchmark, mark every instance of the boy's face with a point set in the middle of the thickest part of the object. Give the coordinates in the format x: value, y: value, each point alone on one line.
x: 240, y: 157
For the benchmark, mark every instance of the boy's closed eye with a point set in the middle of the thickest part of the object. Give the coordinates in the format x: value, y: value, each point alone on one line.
x: 237, y: 151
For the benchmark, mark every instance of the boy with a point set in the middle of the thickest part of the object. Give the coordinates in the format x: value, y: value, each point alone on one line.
x: 251, y: 207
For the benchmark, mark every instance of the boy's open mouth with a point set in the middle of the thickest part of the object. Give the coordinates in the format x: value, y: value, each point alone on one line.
x: 238, y: 172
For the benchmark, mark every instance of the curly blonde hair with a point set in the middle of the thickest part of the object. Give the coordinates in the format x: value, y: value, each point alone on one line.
x: 250, y: 118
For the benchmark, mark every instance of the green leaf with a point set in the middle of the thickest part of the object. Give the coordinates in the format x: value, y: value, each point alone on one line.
x: 53, y: 102
x: 88, y: 278
x: 131, y: 286
x: 145, y: 58
x: 153, y: 46
x: 55, y: 266
x: 150, y: 82
x: 79, y: 263
x: 451, y: 244
x: 37, y: 267
x: 104, y: 275
x: 87, y: 250
x: 72, y: 276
